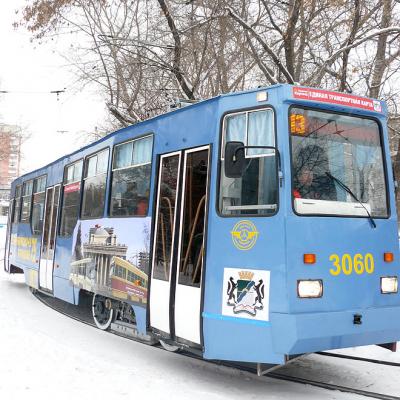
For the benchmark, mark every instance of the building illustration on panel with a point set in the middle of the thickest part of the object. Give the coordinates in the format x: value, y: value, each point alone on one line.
x: 101, y: 266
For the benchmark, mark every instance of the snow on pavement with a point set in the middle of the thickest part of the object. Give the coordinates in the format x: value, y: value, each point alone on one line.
x: 3, y: 230
x: 44, y: 353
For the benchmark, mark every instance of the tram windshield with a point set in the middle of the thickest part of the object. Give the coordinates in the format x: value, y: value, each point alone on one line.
x: 331, y: 152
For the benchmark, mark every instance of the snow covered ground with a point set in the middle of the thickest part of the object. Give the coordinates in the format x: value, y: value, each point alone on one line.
x: 46, y: 355
x: 3, y: 229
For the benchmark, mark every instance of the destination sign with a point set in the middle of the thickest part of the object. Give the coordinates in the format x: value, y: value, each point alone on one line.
x: 343, y: 99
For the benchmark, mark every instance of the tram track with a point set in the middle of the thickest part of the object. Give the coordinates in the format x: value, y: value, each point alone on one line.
x: 354, y: 358
x: 62, y: 307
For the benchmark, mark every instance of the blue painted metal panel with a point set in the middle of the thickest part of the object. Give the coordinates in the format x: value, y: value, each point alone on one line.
x: 244, y: 341
x: 140, y: 316
x: 62, y: 258
x: 283, y: 240
x: 63, y: 290
x: 308, y: 332
x: 24, y: 248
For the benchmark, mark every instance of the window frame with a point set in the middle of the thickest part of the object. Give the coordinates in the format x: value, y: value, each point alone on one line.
x: 11, y: 210
x: 61, y: 203
x: 44, y: 202
x: 84, y: 178
x: 28, y: 221
x: 247, y: 112
x: 17, y: 216
x: 221, y: 158
x: 384, y: 159
x: 111, y: 175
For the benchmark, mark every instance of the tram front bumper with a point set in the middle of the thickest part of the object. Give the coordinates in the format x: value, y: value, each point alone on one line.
x: 310, y: 332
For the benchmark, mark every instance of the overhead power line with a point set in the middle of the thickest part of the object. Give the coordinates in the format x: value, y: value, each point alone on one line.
x: 56, y: 92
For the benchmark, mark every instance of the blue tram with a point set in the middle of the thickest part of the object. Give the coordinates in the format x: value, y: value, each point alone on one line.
x: 253, y: 226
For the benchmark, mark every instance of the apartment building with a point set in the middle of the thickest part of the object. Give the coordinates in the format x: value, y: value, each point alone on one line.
x: 10, y: 159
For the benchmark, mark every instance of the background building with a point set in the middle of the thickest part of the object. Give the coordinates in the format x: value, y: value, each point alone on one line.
x: 10, y: 160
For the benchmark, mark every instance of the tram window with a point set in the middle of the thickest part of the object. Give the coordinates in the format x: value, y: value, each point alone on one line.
x: 130, y: 184
x: 73, y: 173
x: 39, y: 188
x: 71, y: 198
x: 165, y: 229
x: 192, y: 239
x: 27, y: 189
x: 131, y: 277
x: 94, y: 188
x: 256, y: 192
x: 120, y: 272
x: 330, y: 149
x: 17, y: 207
x: 11, y: 208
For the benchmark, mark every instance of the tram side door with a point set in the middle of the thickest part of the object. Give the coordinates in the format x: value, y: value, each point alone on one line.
x: 178, y: 247
x: 8, y: 236
x: 46, y: 265
x: 163, y: 242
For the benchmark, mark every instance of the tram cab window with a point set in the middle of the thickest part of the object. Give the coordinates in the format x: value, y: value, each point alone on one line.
x: 130, y: 186
x: 39, y: 194
x: 94, y: 189
x: 332, y: 152
x: 71, y: 198
x: 256, y: 192
x: 27, y: 189
x: 17, y: 207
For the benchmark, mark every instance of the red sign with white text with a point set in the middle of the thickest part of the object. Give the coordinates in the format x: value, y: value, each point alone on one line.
x: 342, y: 99
x: 73, y: 187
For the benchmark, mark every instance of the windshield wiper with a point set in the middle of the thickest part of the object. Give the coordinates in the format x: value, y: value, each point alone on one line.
x: 319, y: 127
x: 349, y: 191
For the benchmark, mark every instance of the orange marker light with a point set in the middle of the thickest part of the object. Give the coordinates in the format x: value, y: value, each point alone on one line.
x: 388, y: 257
x: 309, y: 258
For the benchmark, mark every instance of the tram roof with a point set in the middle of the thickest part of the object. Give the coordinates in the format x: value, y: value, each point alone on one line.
x: 150, y: 121
x: 200, y: 103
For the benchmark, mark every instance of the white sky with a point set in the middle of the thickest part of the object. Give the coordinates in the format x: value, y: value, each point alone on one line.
x: 31, y: 71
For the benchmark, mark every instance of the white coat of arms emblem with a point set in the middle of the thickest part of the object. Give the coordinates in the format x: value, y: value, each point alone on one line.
x: 246, y: 293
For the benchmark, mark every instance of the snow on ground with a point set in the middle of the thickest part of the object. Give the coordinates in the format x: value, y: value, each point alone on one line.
x: 47, y: 354
x: 3, y: 229
x: 44, y: 354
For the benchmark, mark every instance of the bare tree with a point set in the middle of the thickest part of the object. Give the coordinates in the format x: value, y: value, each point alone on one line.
x: 145, y: 53
x: 4, y: 146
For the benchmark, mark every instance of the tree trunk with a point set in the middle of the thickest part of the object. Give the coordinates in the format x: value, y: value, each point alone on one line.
x: 380, y: 61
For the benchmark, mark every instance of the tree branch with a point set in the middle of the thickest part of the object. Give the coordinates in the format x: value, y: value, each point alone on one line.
x: 187, y: 89
x: 269, y: 51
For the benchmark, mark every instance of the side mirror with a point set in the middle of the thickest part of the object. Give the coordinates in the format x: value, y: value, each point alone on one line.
x: 235, y: 160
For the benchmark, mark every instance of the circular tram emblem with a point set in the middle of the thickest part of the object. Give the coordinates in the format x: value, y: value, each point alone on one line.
x: 244, y: 235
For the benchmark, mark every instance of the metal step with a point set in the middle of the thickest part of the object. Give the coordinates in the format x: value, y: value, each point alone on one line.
x: 129, y: 330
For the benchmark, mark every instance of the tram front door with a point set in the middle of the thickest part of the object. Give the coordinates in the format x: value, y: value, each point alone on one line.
x: 46, y: 265
x: 8, y: 236
x: 178, y: 247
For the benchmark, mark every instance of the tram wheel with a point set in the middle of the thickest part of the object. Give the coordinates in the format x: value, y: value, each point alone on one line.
x: 103, y: 316
x: 169, y: 347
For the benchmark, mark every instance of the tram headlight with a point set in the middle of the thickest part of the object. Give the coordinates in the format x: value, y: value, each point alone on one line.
x: 309, y: 288
x: 389, y: 284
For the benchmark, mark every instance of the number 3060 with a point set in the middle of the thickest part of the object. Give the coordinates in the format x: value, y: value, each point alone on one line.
x: 348, y: 264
